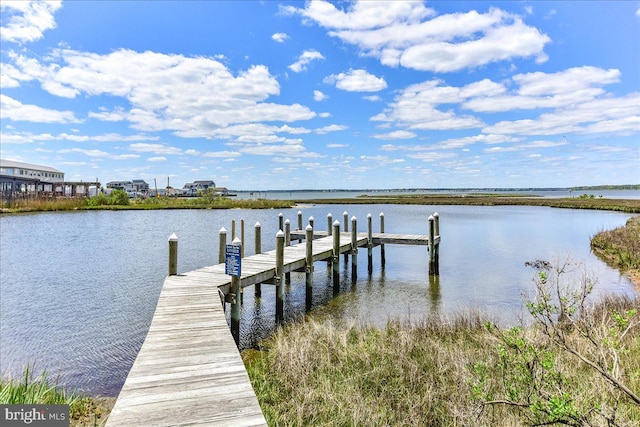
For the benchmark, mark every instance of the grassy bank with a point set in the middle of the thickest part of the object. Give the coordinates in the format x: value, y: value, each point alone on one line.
x: 462, y: 372
x: 621, y: 248
x: 621, y: 205
x: 30, y: 389
x: 120, y: 203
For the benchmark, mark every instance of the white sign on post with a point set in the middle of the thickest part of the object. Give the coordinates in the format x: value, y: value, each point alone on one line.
x: 233, y: 261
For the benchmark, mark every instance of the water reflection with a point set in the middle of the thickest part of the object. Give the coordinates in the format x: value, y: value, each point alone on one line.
x: 78, y: 290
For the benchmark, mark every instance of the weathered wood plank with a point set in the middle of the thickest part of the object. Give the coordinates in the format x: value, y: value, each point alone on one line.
x: 189, y: 370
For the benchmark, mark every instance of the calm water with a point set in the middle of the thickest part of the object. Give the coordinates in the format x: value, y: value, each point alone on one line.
x: 78, y: 289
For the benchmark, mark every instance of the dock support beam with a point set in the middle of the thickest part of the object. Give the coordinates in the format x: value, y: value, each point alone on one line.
x: 173, y: 255
x: 258, y: 247
x: 279, y: 275
x: 235, y: 301
x: 336, y: 256
x: 309, y: 268
x: 369, y: 245
x: 354, y: 249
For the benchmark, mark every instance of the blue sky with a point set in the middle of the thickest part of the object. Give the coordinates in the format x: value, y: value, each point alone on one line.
x: 312, y: 95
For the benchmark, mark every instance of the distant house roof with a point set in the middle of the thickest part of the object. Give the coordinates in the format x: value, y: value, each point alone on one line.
x: 14, y: 164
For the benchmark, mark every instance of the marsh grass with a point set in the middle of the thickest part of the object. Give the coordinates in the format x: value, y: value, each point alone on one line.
x: 456, y: 372
x: 40, y: 390
x: 621, y: 205
x: 620, y: 246
x: 111, y: 202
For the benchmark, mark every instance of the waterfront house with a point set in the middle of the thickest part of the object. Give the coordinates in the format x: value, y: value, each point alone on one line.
x: 21, y: 180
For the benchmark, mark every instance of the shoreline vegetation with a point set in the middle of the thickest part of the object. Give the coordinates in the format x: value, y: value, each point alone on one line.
x: 458, y: 371
x: 118, y: 200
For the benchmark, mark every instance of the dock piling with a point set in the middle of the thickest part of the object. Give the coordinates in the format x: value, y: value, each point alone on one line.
x: 330, y: 224
x: 382, y: 254
x: 369, y: 245
x: 222, y: 248
x: 287, y: 242
x: 258, y: 247
x: 173, y: 255
x: 311, y: 220
x: 309, y: 266
x: 235, y: 301
x: 345, y: 219
x: 432, y: 246
x: 336, y: 255
x: 299, y: 224
x: 436, y: 247
x: 281, y: 221
x: 354, y: 249
x: 278, y: 279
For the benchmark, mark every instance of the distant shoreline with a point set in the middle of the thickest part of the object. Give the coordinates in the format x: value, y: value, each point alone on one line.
x: 581, y: 202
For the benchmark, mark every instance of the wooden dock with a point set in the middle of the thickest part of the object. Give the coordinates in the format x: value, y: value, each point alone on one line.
x: 189, y: 370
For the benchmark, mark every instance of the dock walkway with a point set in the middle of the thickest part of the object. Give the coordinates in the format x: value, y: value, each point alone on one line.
x: 189, y: 370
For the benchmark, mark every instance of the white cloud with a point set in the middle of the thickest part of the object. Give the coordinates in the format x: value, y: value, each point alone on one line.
x: 141, y: 147
x: 398, y: 134
x: 192, y: 96
x: 357, y: 81
x: 26, y: 21
x: 638, y: 12
x: 17, y: 111
x: 305, y: 59
x: 319, y: 96
x: 335, y: 145
x: 565, y: 88
x: 331, y: 128
x: 280, y: 37
x: 116, y: 115
x: 414, y: 108
x: 612, y: 115
x: 381, y: 160
x: 372, y: 98
x: 157, y: 159
x: 100, y: 154
x: 407, y: 34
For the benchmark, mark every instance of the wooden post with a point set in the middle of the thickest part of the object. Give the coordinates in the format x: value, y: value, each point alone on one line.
x: 330, y: 224
x: 222, y: 248
x: 281, y: 221
x: 279, y: 279
x: 235, y: 301
x: 436, y: 249
x: 173, y: 255
x: 287, y: 242
x: 336, y: 256
x: 258, y: 246
x: 309, y: 267
x: 242, y: 237
x: 299, y: 224
x: 311, y: 220
x: 382, y: 254
x: 369, y: 244
x: 233, y: 230
x: 345, y: 218
x: 354, y: 249
x: 432, y: 257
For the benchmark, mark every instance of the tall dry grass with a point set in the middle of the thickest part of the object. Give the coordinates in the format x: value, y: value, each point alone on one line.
x: 439, y: 372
